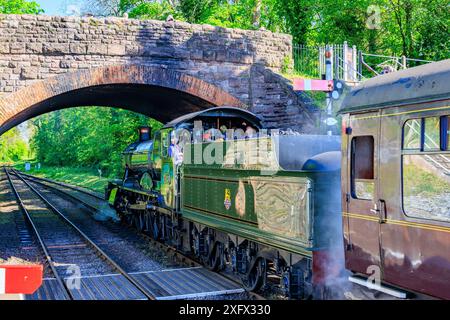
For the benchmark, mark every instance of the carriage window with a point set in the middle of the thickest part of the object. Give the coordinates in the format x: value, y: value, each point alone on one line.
x: 426, y: 171
x: 432, y: 132
x: 362, y: 167
x: 411, y: 134
x: 426, y: 186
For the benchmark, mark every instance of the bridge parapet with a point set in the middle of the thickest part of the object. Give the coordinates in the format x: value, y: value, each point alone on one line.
x: 36, y: 47
x: 243, y: 63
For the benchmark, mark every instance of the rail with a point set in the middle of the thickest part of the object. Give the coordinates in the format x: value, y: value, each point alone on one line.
x: 44, y: 248
x: 157, y: 244
x: 84, y: 236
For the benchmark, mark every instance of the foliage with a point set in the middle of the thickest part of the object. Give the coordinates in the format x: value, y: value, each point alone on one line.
x: 286, y: 66
x: 103, y: 7
x: 149, y: 10
x: 87, y: 137
x: 19, y: 7
x: 414, y: 28
x: 84, y: 177
x: 13, y: 147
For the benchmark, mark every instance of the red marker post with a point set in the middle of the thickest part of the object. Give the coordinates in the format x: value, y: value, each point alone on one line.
x: 20, y: 279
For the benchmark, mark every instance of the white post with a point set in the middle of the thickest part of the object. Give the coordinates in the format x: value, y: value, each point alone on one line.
x: 344, y: 58
x: 354, y: 65
x: 329, y: 76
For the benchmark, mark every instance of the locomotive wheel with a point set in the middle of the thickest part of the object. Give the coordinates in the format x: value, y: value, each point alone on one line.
x: 138, y: 221
x: 213, y: 260
x: 155, y: 228
x: 253, y: 280
x: 128, y: 218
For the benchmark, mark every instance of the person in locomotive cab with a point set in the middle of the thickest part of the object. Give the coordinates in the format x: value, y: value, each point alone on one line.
x: 175, y: 150
x: 250, y: 132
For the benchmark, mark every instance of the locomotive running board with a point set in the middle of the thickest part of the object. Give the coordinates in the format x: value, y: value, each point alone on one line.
x: 379, y: 287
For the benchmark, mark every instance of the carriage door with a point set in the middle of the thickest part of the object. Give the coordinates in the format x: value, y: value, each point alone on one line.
x: 363, y: 237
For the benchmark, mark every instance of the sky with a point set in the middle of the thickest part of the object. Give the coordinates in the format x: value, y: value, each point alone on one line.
x: 61, y: 7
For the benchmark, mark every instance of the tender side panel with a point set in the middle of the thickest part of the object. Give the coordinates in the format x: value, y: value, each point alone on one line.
x: 271, y: 209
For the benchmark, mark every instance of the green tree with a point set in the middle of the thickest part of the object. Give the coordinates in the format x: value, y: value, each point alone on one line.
x: 19, y: 7
x: 13, y: 147
x: 91, y: 137
x: 158, y: 10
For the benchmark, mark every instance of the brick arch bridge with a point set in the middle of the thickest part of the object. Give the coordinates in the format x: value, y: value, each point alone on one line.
x: 161, y: 69
x: 162, y: 94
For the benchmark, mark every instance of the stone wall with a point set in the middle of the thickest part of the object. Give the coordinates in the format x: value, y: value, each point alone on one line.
x: 242, y: 63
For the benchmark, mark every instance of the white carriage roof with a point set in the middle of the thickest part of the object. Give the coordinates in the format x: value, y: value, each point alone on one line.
x: 424, y: 83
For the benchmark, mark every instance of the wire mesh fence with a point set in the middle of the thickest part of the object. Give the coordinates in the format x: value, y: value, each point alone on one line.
x: 347, y: 63
x: 309, y: 61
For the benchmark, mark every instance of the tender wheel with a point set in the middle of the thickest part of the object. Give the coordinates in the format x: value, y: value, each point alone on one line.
x: 255, y: 278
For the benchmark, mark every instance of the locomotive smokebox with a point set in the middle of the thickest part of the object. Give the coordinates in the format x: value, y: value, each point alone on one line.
x: 145, y: 134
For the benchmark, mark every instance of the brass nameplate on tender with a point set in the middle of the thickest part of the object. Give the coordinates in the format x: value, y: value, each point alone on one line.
x: 282, y: 206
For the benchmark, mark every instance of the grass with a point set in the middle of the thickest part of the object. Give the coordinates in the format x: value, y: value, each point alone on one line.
x: 420, y: 182
x: 83, y: 177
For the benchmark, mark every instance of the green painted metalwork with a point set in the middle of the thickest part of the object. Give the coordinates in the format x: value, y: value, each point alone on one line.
x: 276, y: 203
x: 112, y: 196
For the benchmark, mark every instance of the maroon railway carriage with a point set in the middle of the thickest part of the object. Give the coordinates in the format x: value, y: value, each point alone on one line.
x: 396, y: 182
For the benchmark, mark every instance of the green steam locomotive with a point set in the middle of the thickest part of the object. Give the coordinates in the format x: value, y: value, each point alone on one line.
x: 219, y: 187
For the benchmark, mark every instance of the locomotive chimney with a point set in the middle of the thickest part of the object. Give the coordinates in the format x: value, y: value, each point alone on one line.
x: 145, y: 134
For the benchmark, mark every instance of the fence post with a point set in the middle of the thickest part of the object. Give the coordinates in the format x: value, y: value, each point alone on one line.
x: 360, y: 61
x: 345, y: 52
x: 404, y: 62
x: 354, y: 73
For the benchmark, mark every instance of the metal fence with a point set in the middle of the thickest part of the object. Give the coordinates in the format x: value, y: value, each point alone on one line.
x: 310, y: 61
x: 375, y: 64
x: 348, y: 63
x: 307, y: 60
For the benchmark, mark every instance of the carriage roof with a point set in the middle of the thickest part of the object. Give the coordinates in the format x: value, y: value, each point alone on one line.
x: 221, y: 112
x: 415, y: 85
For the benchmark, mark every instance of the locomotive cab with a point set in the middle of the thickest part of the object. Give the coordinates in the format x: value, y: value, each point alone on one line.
x: 214, y: 124
x: 152, y: 165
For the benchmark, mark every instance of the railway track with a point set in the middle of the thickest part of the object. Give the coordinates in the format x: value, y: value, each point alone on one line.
x: 101, y: 274
x: 95, y: 203
x: 76, y: 248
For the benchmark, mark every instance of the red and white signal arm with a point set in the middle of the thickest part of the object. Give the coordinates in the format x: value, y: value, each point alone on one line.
x: 313, y: 85
x: 20, y: 279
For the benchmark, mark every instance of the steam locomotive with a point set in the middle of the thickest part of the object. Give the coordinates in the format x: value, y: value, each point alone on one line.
x: 269, y: 208
x: 237, y: 201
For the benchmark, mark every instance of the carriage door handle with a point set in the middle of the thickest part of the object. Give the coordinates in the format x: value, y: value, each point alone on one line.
x: 382, y: 211
x: 375, y: 209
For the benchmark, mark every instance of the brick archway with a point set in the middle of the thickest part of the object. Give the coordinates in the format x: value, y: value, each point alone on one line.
x: 157, y: 92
